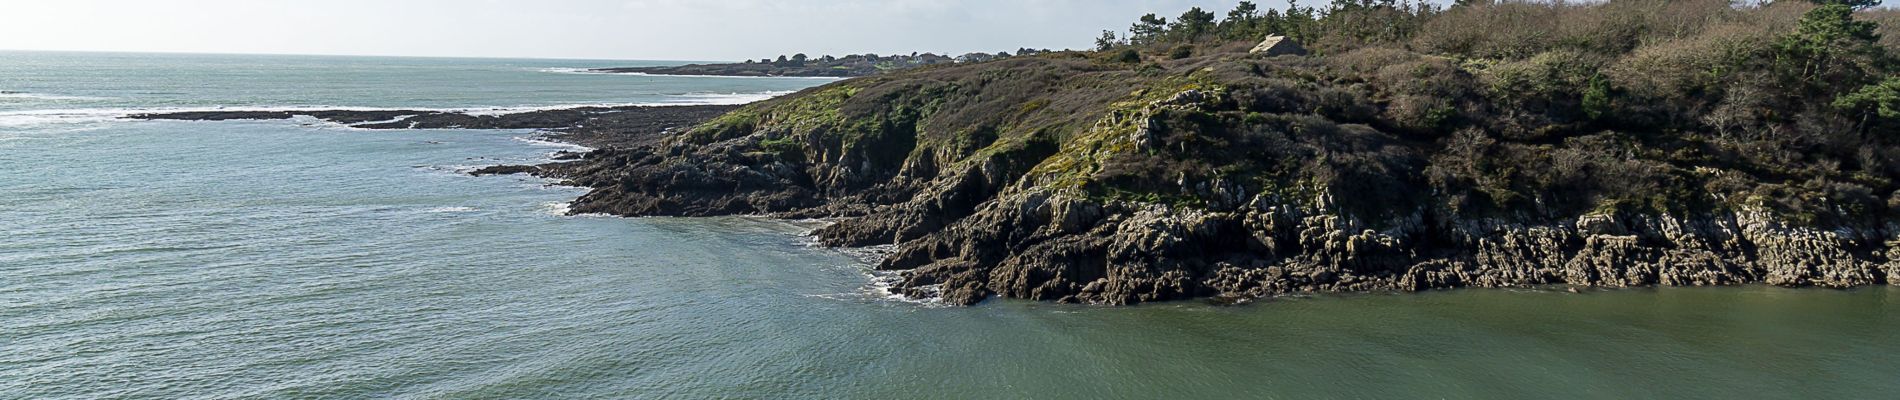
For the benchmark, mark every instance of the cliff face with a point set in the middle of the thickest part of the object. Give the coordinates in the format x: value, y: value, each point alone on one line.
x: 1067, y: 178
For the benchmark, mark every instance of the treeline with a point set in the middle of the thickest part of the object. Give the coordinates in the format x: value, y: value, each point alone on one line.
x: 1359, y: 20
x: 802, y: 60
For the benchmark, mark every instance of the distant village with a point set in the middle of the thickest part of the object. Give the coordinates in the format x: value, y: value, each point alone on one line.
x: 894, y: 60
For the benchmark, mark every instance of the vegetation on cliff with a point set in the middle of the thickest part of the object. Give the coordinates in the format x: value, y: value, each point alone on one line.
x: 1622, y: 143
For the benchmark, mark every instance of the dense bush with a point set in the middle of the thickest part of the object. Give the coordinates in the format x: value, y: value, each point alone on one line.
x: 1180, y: 52
x: 1566, y: 107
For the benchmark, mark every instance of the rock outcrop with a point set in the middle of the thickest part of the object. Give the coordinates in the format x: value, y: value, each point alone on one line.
x: 1276, y: 45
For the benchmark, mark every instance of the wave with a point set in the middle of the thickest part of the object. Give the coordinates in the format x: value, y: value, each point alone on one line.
x: 562, y: 208
x: 571, y: 71
x: 7, y: 94
x: 29, y: 118
x: 539, y: 142
x: 822, y: 78
x: 882, y: 285
x: 595, y: 71
x: 727, y: 98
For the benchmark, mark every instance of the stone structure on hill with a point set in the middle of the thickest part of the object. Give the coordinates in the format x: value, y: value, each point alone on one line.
x: 1277, y: 45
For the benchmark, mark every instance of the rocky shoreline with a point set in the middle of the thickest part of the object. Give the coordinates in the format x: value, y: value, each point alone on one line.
x: 1000, y: 217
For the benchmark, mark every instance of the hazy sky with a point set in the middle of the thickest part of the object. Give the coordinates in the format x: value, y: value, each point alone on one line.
x: 610, y: 29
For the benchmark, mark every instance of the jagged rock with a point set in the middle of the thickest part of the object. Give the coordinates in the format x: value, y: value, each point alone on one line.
x: 505, y: 170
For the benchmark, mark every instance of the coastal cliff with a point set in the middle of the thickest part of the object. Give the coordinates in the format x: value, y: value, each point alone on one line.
x: 1098, y: 177
x: 1750, y: 145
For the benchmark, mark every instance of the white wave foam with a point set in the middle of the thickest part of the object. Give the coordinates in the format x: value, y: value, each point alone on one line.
x: 884, y: 285
x: 451, y: 210
x: 562, y: 208
x: 538, y: 142
x: 27, y: 118
x: 55, y: 97
x: 596, y: 71
x: 730, y: 98
x: 821, y: 78
x: 569, y: 70
x: 557, y: 208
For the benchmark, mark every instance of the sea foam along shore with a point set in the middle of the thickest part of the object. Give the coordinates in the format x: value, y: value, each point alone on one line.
x: 595, y: 71
x: 29, y: 118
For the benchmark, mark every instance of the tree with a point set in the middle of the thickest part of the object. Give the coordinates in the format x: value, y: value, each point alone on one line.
x: 1876, y: 100
x: 1853, y: 4
x: 1107, y: 41
x: 1272, y: 23
x: 1193, y: 23
x: 1244, y: 12
x: 1242, y: 21
x: 1596, y: 97
x: 1148, y: 29
x: 1298, y: 22
x: 1827, y: 41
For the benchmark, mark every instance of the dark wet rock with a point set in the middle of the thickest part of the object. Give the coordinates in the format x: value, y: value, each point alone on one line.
x: 505, y: 170
x: 216, y: 115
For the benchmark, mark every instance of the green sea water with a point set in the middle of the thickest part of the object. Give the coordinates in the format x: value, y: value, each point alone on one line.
x: 298, y: 259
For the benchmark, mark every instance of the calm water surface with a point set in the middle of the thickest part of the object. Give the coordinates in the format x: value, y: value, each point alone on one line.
x: 291, y: 259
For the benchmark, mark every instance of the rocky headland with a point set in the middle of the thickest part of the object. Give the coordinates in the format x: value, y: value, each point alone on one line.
x: 1164, y: 171
x: 1171, y: 168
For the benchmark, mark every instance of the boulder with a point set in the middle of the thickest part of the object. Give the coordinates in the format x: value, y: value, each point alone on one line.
x: 1277, y: 45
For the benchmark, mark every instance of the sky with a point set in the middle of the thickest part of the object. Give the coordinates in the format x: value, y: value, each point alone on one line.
x: 691, y: 30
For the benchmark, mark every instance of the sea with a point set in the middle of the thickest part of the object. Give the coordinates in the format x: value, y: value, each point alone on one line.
x: 303, y: 259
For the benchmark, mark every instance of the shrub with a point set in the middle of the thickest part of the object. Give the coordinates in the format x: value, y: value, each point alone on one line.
x: 1876, y: 100
x: 1694, y: 64
x: 1596, y: 97
x: 1180, y: 52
